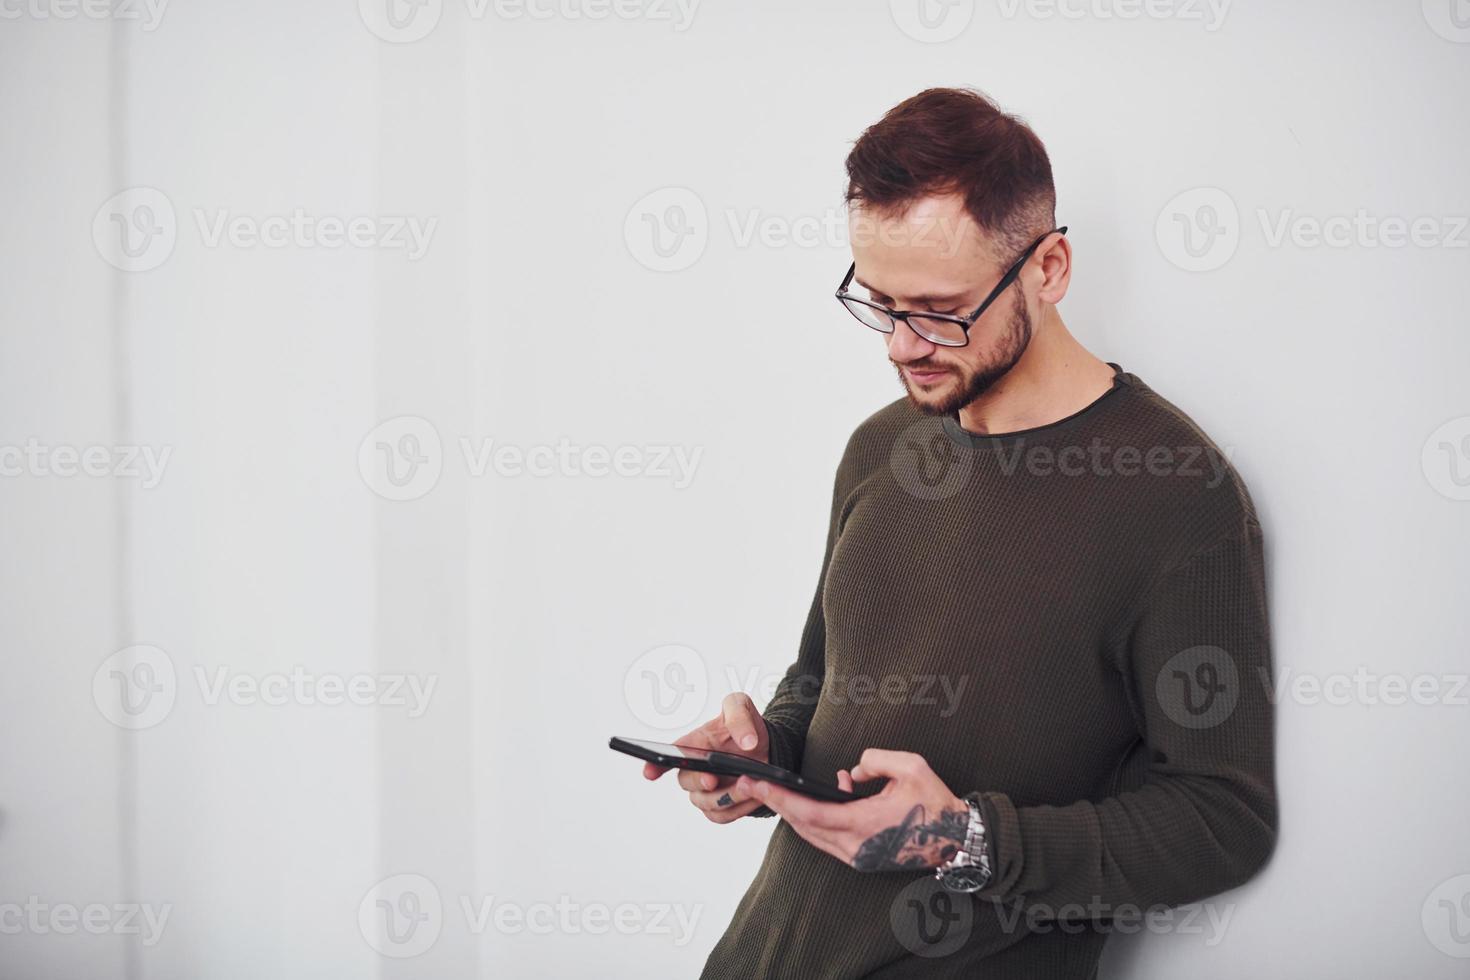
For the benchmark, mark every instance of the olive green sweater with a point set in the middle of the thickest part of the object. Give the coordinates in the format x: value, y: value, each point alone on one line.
x: 1069, y: 619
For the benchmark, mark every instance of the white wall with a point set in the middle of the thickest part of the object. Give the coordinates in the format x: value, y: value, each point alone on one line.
x: 62, y: 779
x: 524, y: 148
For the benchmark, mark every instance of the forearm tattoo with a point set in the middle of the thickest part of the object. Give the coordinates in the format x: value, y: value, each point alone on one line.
x: 916, y: 843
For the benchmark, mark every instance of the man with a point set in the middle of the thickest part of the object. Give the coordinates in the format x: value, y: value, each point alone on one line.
x: 1038, y: 534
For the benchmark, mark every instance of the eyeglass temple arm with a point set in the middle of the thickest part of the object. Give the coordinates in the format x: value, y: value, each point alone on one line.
x: 1011, y: 274
x: 1006, y: 280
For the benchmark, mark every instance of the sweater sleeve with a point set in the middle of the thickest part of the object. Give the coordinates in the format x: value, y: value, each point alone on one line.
x: 1205, y: 818
x: 789, y: 713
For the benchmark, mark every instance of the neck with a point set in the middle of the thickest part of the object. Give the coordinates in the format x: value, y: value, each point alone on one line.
x: 1055, y: 377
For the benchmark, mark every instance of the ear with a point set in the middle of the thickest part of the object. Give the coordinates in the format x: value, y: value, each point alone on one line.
x: 1056, y: 270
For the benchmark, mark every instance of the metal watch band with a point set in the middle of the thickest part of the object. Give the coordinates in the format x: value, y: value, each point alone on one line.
x: 969, y: 869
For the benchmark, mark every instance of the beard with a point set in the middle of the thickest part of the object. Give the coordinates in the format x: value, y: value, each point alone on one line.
x: 970, y: 382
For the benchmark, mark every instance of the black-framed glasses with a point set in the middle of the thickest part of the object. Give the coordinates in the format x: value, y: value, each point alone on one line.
x: 945, y: 329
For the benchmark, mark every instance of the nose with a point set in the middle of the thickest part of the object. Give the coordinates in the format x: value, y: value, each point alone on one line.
x: 905, y: 346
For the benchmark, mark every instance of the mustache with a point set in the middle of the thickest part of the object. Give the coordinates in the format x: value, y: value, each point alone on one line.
x: 921, y: 366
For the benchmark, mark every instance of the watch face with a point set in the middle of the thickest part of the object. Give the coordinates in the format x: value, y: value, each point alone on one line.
x: 965, y: 879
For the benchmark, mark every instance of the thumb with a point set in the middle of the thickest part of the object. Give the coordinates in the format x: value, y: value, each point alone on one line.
x: 741, y: 719
x: 884, y: 763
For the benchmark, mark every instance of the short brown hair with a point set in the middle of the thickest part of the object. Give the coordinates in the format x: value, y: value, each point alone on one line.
x: 953, y: 140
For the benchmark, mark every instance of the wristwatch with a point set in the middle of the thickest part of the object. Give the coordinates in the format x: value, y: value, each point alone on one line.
x: 969, y: 869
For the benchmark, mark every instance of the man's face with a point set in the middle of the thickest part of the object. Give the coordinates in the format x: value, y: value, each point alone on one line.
x: 934, y: 257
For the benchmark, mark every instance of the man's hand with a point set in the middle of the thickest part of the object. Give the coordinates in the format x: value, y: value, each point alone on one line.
x: 739, y: 729
x: 915, y: 822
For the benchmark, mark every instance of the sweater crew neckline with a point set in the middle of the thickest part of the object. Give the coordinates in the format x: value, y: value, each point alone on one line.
x: 964, y: 437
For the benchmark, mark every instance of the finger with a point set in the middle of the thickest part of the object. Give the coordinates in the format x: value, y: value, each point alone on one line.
x: 791, y: 805
x: 721, y: 798
x: 734, y: 811
x: 886, y: 763
x: 651, y: 771
x: 700, y: 738
x: 844, y: 781
x: 695, y: 781
x: 740, y: 718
